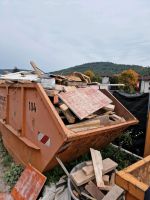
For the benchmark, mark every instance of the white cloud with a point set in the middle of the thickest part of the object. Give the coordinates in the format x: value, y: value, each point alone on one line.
x: 63, y: 33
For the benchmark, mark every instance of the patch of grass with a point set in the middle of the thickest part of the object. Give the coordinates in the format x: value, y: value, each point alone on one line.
x: 13, y: 171
x: 12, y: 175
x: 123, y: 159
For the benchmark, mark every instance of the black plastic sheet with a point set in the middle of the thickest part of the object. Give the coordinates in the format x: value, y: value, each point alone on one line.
x: 138, y: 105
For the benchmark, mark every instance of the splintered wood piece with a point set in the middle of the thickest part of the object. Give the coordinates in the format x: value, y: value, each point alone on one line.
x: 84, y: 101
x: 69, y: 116
x: 98, y: 166
x: 106, y: 179
x: 92, y: 189
x: 109, y: 107
x: 88, y: 170
x: 81, y: 178
x: 114, y: 193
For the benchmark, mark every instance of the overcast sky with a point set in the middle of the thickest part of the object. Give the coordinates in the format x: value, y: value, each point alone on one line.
x: 63, y: 33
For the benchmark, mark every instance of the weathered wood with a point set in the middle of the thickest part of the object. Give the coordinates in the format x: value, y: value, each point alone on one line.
x: 114, y: 193
x: 87, y: 196
x: 98, y: 166
x: 109, y: 107
x: 81, y: 178
x: 93, y: 190
x: 87, y: 123
x: 69, y: 116
x: 79, y: 129
x: 106, y: 188
x: 106, y: 179
x: 88, y: 170
x: 84, y: 101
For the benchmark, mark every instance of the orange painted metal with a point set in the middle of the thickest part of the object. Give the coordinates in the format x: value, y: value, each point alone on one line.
x: 33, y: 132
x: 29, y: 184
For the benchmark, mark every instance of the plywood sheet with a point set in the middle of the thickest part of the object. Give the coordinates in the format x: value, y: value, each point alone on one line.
x: 84, y: 101
x: 29, y: 184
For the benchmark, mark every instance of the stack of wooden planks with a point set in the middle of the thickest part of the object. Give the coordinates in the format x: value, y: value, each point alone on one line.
x: 95, y: 179
x: 83, y: 108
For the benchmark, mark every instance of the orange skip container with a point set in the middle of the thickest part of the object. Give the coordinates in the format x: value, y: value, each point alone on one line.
x: 33, y: 132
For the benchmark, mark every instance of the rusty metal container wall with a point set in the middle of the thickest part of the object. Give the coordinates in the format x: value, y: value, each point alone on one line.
x: 33, y: 132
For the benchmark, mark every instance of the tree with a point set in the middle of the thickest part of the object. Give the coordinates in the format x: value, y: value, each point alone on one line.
x: 129, y: 78
x: 90, y: 73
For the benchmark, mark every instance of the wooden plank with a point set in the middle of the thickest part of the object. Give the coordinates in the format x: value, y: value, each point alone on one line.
x: 106, y: 179
x: 69, y: 116
x: 84, y: 101
x: 114, y: 193
x: 86, y: 123
x: 80, y: 129
x: 88, y: 170
x: 93, y: 190
x: 81, y: 178
x: 109, y: 107
x: 87, y: 196
x: 98, y: 166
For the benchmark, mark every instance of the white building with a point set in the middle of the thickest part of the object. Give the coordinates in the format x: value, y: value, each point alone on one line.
x: 145, y: 84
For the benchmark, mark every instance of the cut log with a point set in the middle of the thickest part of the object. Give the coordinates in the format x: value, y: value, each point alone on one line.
x: 69, y: 116
x: 114, y: 193
x: 98, y: 166
x: 92, y: 189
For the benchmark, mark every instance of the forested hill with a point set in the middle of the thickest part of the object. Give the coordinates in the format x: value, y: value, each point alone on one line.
x: 104, y: 68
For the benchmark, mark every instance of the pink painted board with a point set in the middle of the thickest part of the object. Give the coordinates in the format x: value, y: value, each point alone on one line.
x: 84, y: 101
